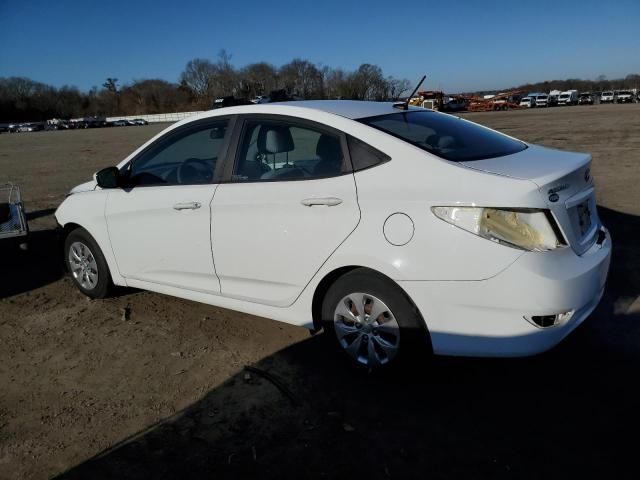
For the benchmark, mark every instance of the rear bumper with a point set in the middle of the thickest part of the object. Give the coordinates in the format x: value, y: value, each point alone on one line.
x: 487, y: 318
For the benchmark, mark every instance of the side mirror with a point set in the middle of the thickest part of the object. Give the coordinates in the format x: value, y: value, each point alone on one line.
x: 108, y: 177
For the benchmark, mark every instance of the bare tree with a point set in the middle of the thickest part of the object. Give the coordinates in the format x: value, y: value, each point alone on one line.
x: 396, y: 87
x: 198, y: 78
x: 303, y: 78
x: 225, y: 77
x: 111, y: 85
x: 368, y: 83
x: 258, y: 79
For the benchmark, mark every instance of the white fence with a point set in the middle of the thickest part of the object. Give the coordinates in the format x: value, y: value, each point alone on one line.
x: 156, y: 118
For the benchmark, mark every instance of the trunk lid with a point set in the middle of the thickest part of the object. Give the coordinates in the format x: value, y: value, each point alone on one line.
x: 564, y: 180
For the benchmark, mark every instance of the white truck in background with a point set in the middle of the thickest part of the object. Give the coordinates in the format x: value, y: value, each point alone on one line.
x: 527, y: 102
x: 607, y: 96
x: 569, y: 97
x: 624, y: 96
x: 542, y: 100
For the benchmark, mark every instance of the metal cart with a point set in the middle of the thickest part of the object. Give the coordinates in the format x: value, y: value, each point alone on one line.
x: 13, y: 222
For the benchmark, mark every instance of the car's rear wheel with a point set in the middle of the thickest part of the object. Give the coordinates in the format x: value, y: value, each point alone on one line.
x: 370, y: 319
x: 86, y: 264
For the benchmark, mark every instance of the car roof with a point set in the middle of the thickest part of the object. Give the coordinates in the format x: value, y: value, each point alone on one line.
x: 352, y: 109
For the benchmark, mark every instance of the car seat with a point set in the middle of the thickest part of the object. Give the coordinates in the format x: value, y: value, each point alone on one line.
x: 330, y: 152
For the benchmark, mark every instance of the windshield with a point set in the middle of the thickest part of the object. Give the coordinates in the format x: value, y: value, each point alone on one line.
x: 525, y: 100
x: 607, y: 93
x: 446, y: 136
x: 624, y: 92
x: 564, y: 95
x: 542, y: 97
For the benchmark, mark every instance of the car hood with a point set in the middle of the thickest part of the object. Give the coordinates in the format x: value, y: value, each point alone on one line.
x: 84, y: 187
x: 541, y: 165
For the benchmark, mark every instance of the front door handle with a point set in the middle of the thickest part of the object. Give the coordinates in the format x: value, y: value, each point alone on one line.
x: 326, y: 201
x: 187, y: 206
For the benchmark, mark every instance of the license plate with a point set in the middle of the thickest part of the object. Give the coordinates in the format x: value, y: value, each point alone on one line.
x: 584, y: 218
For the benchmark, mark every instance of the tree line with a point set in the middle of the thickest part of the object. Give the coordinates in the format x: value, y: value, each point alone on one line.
x: 202, y: 80
x: 600, y: 84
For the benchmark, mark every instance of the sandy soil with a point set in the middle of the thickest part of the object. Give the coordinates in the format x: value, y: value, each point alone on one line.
x: 148, y: 386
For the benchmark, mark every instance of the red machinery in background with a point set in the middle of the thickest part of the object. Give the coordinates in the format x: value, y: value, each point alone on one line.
x: 501, y: 101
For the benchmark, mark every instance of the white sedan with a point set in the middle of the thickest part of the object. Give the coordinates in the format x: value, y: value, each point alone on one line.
x: 396, y: 230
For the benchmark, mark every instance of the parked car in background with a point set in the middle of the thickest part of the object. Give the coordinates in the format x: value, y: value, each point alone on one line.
x: 454, y: 105
x: 527, y: 102
x: 119, y: 123
x: 624, y: 96
x: 570, y: 97
x: 140, y: 121
x: 31, y: 127
x: 359, y: 206
x: 261, y: 99
x: 585, y: 98
x: 542, y: 100
x: 607, y: 96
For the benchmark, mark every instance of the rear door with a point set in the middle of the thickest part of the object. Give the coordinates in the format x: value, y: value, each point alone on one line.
x: 289, y: 203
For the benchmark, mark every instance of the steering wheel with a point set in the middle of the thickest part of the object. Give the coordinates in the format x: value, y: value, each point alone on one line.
x: 194, y: 170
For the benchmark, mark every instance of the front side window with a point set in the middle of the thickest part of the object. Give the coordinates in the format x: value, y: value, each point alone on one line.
x: 282, y: 150
x: 446, y: 136
x: 188, y: 157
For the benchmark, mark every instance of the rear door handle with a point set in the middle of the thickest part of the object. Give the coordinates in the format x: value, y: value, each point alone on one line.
x: 326, y: 201
x: 187, y: 206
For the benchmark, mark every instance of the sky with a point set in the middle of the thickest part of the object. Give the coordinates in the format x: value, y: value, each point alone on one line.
x: 459, y: 45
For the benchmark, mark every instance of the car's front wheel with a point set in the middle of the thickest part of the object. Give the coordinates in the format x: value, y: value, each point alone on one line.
x: 87, y: 265
x: 370, y: 319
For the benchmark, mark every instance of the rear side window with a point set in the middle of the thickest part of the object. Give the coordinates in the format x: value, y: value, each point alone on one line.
x: 284, y: 150
x: 446, y: 136
x: 364, y: 155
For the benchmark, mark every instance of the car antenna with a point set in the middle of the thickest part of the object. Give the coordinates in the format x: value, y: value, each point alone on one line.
x: 405, y: 105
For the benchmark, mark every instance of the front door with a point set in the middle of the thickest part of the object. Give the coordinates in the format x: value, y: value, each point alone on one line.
x: 160, y: 225
x: 290, y: 204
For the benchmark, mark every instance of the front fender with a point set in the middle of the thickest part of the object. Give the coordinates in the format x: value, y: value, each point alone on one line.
x: 86, y: 209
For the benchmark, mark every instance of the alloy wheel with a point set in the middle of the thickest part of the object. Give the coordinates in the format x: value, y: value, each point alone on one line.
x: 366, y: 329
x: 83, y: 265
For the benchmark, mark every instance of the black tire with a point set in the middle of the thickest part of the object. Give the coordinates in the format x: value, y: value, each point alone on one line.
x: 104, y: 285
x: 414, y: 343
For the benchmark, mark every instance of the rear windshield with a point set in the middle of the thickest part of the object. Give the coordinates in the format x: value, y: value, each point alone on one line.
x: 446, y: 136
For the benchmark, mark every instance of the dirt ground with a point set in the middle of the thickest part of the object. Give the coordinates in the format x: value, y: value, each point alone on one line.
x: 147, y: 386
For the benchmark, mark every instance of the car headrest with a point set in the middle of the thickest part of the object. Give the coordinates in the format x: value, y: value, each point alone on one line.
x: 274, y: 139
x: 445, y: 141
x: 329, y: 148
